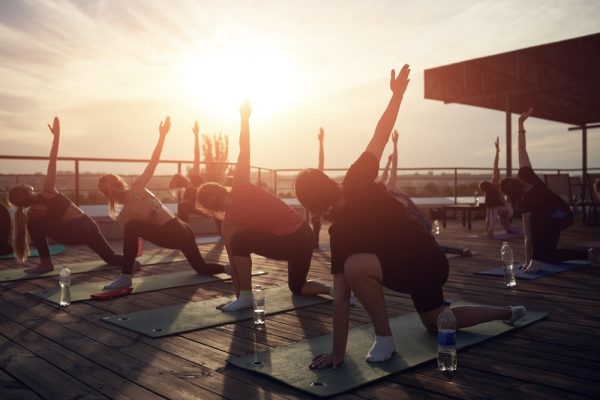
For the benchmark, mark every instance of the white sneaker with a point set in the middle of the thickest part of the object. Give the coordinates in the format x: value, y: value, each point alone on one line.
x: 518, y: 312
x: 122, y: 281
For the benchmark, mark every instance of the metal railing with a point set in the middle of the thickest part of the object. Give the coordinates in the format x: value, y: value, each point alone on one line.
x: 453, y: 182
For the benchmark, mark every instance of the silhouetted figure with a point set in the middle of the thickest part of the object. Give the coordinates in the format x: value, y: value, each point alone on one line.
x: 144, y: 216
x: 256, y: 221
x: 375, y: 243
x: 390, y: 177
x: 49, y: 214
x: 315, y: 219
x: 545, y: 214
x: 5, y: 224
x: 496, y: 206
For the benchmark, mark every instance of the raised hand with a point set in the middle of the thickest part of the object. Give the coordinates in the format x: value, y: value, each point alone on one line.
x: 163, y: 128
x: 525, y: 115
x: 196, y: 128
x: 395, y: 136
x: 399, y: 83
x: 321, y: 134
x: 497, y: 144
x: 55, y: 128
x: 245, y: 109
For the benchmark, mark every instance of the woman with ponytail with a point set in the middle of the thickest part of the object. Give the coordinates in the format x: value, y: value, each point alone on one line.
x: 142, y: 215
x: 49, y: 214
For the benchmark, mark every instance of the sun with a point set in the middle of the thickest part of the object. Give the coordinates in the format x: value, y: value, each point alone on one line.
x: 219, y: 78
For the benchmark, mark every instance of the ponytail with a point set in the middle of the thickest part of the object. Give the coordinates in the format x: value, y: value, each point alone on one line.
x: 20, y: 236
x: 112, y: 209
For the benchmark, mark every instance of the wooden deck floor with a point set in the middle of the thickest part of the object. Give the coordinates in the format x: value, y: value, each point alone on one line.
x: 53, y: 353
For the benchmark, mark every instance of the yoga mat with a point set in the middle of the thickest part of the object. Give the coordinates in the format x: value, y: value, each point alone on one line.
x: 208, y: 239
x: 83, y: 291
x: 203, y: 314
x: 497, y: 236
x: 414, y: 345
x: 54, y: 250
x: 547, y: 269
x: 17, y: 274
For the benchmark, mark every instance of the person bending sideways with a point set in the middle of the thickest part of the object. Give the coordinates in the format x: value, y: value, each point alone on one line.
x: 376, y: 244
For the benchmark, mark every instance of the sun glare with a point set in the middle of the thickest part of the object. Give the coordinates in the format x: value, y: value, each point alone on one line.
x: 219, y: 79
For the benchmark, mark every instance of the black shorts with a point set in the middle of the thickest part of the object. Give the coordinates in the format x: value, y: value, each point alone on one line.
x: 424, y: 282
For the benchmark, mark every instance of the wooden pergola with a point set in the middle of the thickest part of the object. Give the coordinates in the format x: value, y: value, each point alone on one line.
x: 561, y: 80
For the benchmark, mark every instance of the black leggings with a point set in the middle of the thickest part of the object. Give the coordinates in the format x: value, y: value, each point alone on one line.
x: 295, y: 248
x: 5, y: 247
x: 174, y: 234
x: 78, y: 231
x: 545, y: 234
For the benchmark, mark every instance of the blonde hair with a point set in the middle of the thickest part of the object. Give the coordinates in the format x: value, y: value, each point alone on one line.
x: 21, y: 197
x: 111, y: 186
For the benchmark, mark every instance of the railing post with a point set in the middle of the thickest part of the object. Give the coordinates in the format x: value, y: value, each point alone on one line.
x: 455, y: 186
x: 275, y: 182
x: 259, y: 180
x: 77, y: 182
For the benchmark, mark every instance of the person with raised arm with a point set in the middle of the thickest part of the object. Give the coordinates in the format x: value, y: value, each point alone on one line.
x: 315, y: 219
x: 50, y: 214
x: 190, y: 184
x: 142, y: 215
x: 375, y: 243
x: 389, y: 179
x: 496, y: 206
x: 544, y: 213
x: 256, y: 221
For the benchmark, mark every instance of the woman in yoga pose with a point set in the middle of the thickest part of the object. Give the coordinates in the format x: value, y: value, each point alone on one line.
x: 496, y: 206
x: 144, y: 216
x: 375, y: 243
x: 545, y: 215
x: 50, y: 214
x: 256, y: 221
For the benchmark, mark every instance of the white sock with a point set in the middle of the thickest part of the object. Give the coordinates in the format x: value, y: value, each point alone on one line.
x: 244, y: 301
x: 517, y: 312
x: 382, y: 350
x: 122, y: 281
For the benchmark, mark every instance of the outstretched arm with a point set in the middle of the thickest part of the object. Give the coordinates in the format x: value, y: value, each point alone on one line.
x: 384, y: 127
x: 242, y: 168
x: 50, y: 180
x: 321, y: 150
x: 391, y: 183
x: 143, y: 179
x: 196, y: 165
x: 386, y: 171
x: 523, y: 156
x: 496, y: 171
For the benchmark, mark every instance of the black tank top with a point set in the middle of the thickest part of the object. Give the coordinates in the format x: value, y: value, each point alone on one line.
x: 55, y: 206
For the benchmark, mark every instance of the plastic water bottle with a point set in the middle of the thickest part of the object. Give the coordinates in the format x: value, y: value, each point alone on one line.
x: 435, y: 228
x: 259, y: 305
x: 64, y: 278
x: 446, y: 323
x: 508, y: 261
x: 476, y: 198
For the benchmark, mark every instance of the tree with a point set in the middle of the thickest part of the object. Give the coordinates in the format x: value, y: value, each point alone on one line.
x: 216, y: 156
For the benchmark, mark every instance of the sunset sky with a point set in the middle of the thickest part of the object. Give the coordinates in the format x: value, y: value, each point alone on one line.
x: 111, y: 70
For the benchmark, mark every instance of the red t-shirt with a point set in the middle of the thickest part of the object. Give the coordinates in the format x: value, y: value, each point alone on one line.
x: 255, y: 209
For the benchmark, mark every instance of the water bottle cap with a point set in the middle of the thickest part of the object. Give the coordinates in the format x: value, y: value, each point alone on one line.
x: 447, y: 302
x: 258, y: 287
x: 65, y: 271
x: 504, y: 243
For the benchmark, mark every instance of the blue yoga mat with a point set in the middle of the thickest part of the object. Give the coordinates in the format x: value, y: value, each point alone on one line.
x: 547, y: 270
x: 54, y: 250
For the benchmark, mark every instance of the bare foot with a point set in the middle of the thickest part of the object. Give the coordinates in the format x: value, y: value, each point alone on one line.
x: 40, y: 269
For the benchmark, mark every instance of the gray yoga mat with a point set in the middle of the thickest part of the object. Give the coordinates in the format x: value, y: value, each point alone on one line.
x: 414, y: 345
x: 17, y: 274
x: 83, y: 291
x: 547, y: 270
x: 33, y: 252
x: 203, y: 314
